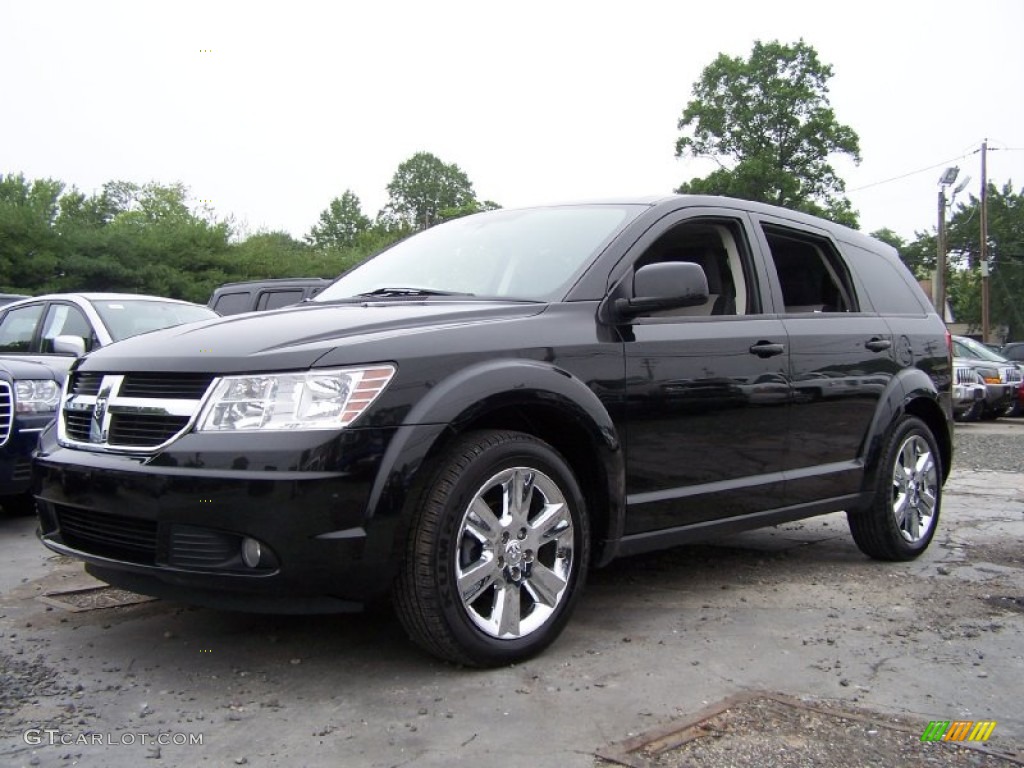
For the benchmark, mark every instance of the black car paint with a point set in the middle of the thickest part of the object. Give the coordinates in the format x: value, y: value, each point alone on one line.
x: 673, y: 442
x: 16, y: 452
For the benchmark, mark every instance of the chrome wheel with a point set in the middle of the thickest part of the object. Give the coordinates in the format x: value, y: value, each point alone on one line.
x: 514, y: 553
x: 915, y: 484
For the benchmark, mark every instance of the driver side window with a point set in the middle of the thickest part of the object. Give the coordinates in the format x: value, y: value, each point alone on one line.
x: 719, y: 248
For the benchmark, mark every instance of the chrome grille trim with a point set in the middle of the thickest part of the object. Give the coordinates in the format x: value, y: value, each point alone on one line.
x: 96, y: 416
x: 6, y: 412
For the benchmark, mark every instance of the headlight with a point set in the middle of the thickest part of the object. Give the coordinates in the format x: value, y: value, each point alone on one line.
x: 277, y: 401
x: 36, y: 396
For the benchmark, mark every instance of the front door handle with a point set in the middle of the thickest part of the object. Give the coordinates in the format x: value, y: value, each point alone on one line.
x: 878, y: 345
x: 767, y: 349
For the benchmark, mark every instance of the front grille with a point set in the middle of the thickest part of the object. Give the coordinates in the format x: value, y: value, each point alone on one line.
x: 965, y: 375
x: 76, y: 426
x: 1011, y: 375
x: 6, y: 411
x: 106, y: 535
x: 143, y: 430
x: 129, y: 412
x: 22, y: 470
x: 85, y: 383
x: 201, y: 548
x: 183, y: 386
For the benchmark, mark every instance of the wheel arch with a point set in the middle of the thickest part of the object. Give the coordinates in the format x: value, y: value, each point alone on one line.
x: 912, y: 392
x: 523, y: 395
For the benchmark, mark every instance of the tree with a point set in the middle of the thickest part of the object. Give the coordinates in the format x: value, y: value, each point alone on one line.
x: 1006, y: 257
x: 766, y: 120
x: 340, y: 223
x: 425, y: 191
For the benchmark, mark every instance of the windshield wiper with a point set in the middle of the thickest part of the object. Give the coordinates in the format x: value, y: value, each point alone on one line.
x: 412, y: 292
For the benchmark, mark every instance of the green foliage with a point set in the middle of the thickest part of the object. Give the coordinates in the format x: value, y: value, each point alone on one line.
x: 425, y: 191
x: 767, y: 121
x: 340, y: 225
x: 1005, y: 253
x: 149, y: 238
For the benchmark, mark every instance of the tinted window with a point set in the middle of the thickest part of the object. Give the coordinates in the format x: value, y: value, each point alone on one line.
x: 887, y: 286
x: 232, y: 303
x: 18, y: 327
x: 66, y: 320
x: 812, y: 275
x: 278, y: 299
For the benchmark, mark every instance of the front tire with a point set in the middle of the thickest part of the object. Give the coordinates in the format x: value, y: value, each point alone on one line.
x: 497, y: 551
x: 900, y: 520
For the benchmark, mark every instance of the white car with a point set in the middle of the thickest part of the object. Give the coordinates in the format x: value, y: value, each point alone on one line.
x: 70, y: 324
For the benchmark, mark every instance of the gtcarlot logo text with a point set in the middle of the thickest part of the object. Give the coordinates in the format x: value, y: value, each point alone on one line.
x: 52, y: 736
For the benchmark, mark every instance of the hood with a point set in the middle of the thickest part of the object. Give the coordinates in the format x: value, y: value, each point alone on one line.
x: 36, y: 367
x: 294, y: 338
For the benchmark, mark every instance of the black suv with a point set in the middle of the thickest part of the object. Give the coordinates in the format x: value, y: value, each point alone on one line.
x: 260, y: 295
x: 477, y: 415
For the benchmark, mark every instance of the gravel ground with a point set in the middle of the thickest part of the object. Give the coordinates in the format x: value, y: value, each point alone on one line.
x: 1004, y: 452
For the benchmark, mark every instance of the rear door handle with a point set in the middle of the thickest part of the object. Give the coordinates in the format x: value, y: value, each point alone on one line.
x: 878, y: 345
x: 767, y: 349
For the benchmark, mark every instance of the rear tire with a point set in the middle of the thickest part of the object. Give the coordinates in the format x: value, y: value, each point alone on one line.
x: 900, y: 520
x: 497, y: 551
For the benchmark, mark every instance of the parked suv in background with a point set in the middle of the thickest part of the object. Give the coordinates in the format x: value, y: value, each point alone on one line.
x: 474, y: 417
x: 258, y: 295
x: 1002, y: 377
x: 39, y: 339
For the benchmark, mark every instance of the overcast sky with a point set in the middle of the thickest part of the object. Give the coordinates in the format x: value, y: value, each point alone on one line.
x: 268, y: 110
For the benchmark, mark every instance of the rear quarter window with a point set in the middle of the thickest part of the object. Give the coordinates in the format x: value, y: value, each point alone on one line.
x: 233, y: 303
x: 890, y: 288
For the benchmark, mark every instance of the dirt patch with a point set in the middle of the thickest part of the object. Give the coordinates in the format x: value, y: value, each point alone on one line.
x: 778, y: 731
x: 93, y: 598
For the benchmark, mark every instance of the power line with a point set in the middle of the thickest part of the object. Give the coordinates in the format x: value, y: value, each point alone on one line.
x: 914, y: 173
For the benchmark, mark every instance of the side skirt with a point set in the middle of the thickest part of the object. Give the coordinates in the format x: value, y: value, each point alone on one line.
x: 648, y: 541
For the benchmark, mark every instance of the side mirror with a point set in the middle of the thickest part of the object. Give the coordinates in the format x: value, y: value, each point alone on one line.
x: 69, y: 345
x: 667, y: 285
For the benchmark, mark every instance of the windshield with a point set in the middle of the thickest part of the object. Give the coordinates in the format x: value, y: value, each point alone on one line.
x: 130, y: 317
x: 534, y: 254
x: 965, y: 347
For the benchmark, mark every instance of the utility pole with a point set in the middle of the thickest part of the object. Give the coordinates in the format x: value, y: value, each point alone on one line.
x: 939, y: 288
x: 984, y: 247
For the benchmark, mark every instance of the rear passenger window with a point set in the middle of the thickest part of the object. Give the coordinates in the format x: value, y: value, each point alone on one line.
x: 811, y: 273
x: 232, y: 303
x: 887, y: 286
x: 278, y: 299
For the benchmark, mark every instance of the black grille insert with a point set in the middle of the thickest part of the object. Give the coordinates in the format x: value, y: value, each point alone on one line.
x: 183, y: 386
x: 106, y: 535
x: 143, y: 430
x: 86, y: 383
x: 192, y: 547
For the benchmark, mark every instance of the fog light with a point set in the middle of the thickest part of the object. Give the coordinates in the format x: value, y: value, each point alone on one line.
x: 251, y: 552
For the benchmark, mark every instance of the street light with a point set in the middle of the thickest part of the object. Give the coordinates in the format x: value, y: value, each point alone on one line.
x: 947, y: 179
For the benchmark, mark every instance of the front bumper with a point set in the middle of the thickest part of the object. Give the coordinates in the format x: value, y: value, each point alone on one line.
x: 173, y: 525
x: 16, y: 454
x: 966, y: 395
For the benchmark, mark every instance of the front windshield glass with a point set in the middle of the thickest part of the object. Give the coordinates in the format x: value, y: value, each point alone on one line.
x: 965, y: 347
x: 533, y: 254
x: 130, y: 317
